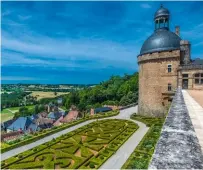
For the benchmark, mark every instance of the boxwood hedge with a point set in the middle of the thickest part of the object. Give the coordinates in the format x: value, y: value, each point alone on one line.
x: 141, y: 156
x: 47, y: 132
x: 70, y: 151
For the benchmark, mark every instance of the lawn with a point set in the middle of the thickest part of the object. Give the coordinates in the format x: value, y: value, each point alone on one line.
x: 85, y: 148
x: 41, y: 94
x: 6, y: 116
x: 8, y: 113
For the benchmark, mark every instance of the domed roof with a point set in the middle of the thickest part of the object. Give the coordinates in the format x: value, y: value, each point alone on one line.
x: 162, y: 12
x: 161, y: 40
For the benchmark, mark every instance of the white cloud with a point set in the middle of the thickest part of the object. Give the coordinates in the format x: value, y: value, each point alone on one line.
x: 23, y: 18
x: 17, y: 78
x: 65, y: 52
x: 145, y: 5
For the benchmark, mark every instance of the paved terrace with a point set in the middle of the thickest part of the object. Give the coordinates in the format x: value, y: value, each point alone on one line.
x: 178, y: 146
x: 116, y: 161
x: 193, y: 101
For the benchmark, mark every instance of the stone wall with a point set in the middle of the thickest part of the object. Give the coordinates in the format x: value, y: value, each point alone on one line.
x: 154, y: 79
x: 178, y: 146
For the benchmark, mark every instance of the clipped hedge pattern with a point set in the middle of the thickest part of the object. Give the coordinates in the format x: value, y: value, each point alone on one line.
x: 53, y: 130
x: 87, y: 147
x: 141, y: 156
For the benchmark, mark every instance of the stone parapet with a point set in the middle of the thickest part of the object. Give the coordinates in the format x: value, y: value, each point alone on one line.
x: 178, y: 146
x: 190, y: 67
x: 159, y: 55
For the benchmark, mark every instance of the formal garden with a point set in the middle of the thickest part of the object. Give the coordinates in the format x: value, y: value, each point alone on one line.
x: 87, y: 147
x: 141, y: 156
x: 46, y: 132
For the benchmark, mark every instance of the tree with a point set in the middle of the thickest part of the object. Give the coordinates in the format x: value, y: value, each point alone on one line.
x: 36, y: 109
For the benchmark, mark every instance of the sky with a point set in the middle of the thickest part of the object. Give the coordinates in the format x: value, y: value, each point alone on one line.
x: 84, y: 42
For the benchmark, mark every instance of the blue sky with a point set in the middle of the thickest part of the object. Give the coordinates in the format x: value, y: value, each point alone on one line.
x: 84, y: 42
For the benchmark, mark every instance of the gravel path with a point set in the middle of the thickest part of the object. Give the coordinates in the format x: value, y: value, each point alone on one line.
x: 116, y: 161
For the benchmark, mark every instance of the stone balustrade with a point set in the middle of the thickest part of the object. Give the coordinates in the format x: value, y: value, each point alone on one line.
x: 178, y: 146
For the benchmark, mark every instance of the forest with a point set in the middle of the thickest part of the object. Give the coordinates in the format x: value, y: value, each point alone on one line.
x: 116, y: 91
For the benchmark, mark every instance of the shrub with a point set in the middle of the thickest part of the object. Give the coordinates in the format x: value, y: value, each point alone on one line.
x: 20, y: 156
x: 91, y: 165
x: 101, y: 157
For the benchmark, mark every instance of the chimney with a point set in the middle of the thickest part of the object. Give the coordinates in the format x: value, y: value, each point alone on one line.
x: 177, y: 30
x: 185, y: 52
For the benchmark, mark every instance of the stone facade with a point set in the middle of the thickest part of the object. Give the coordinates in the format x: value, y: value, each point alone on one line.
x: 164, y: 64
x: 190, y: 78
x: 154, y: 79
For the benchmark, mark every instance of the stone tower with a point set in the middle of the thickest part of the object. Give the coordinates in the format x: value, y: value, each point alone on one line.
x: 158, y: 61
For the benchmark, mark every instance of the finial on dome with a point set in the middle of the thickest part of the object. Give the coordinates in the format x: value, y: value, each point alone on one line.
x: 161, y: 6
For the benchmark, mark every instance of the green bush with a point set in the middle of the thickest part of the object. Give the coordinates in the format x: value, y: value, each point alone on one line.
x: 48, y: 132
x: 141, y: 156
x: 92, y: 165
x: 66, y: 148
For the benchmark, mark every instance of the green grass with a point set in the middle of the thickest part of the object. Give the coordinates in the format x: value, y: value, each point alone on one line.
x: 63, y: 107
x: 141, y: 156
x: 84, y: 148
x: 8, y: 113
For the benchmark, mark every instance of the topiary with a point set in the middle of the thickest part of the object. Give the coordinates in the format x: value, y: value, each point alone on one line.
x: 91, y: 165
x: 20, y: 156
x: 2, y: 163
x: 35, y: 149
x: 101, y: 157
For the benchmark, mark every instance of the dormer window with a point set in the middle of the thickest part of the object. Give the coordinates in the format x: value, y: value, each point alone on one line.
x: 169, y: 68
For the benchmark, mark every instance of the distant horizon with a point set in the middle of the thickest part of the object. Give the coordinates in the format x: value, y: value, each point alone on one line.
x: 85, y: 42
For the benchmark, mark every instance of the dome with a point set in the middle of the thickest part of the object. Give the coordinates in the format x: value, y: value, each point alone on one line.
x: 161, y: 40
x: 162, y: 12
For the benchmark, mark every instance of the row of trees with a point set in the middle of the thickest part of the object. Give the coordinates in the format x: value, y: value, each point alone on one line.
x: 15, y: 99
x: 116, y: 91
x: 25, y: 111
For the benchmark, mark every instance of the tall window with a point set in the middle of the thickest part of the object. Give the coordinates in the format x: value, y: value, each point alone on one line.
x: 199, y: 78
x: 169, y: 68
x: 169, y: 87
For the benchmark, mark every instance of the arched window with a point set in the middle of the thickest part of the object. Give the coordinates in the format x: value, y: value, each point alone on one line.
x: 198, y: 78
x: 169, y: 87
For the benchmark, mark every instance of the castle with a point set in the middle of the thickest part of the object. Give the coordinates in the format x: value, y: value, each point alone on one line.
x: 164, y: 64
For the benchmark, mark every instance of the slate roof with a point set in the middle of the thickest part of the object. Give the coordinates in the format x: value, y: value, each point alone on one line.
x: 7, y: 123
x: 56, y: 115
x: 197, y: 61
x: 161, y: 40
x: 34, y: 117
x: 22, y: 122
x: 44, y: 122
x: 102, y: 109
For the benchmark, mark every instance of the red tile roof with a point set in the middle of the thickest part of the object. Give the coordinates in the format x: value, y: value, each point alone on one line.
x: 72, y: 115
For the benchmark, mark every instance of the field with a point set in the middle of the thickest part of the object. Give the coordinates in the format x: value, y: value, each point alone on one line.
x: 8, y: 113
x: 87, y: 147
x: 41, y: 94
